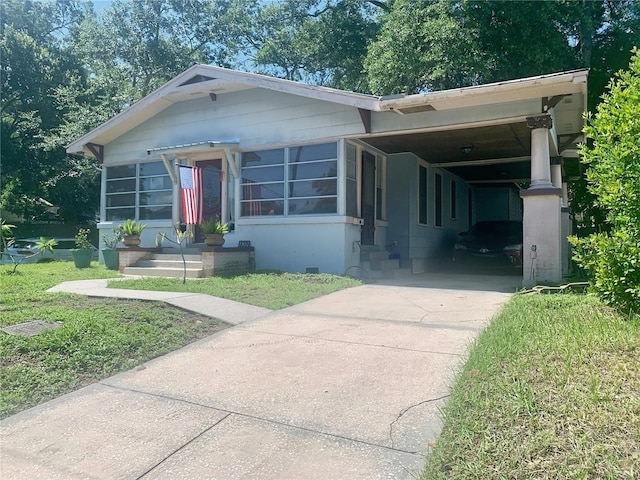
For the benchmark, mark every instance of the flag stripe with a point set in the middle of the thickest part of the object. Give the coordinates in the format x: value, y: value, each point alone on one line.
x: 191, y: 192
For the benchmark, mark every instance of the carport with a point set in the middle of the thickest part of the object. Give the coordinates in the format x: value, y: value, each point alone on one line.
x: 510, y: 145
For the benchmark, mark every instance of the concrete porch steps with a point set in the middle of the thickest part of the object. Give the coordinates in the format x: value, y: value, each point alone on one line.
x: 163, y: 272
x: 376, y: 263
x: 168, y: 265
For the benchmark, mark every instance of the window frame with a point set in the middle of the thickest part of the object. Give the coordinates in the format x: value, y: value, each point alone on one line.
x: 288, y: 183
x: 453, y: 199
x: 137, y: 206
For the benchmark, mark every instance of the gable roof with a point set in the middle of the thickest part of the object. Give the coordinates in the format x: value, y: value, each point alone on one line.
x: 202, y: 81
x: 206, y: 80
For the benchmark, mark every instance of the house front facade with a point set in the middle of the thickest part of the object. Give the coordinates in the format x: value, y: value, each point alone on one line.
x: 313, y: 176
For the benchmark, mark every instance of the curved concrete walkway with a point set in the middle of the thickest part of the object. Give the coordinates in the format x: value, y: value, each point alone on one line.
x: 346, y: 386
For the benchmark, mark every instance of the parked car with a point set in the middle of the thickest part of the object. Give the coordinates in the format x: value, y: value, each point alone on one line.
x: 497, y: 242
x: 25, y: 251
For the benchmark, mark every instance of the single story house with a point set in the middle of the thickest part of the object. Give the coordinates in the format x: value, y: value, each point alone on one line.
x: 313, y: 176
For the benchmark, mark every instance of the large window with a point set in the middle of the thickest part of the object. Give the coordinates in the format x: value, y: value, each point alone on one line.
x: 291, y: 181
x: 141, y: 191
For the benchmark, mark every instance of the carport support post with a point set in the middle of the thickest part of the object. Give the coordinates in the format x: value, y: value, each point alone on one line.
x: 542, y: 238
x: 565, y: 223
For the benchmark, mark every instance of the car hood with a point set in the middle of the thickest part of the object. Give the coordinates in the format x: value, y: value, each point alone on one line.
x: 492, y: 243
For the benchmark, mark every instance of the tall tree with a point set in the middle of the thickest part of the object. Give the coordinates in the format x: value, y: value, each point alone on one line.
x: 435, y: 44
x: 34, y: 60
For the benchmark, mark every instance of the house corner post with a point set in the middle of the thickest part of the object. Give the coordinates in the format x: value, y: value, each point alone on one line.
x: 542, y: 204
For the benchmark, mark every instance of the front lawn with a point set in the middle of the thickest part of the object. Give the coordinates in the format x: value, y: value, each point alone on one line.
x: 100, y: 337
x: 274, y: 290
x: 97, y: 337
x: 551, y: 390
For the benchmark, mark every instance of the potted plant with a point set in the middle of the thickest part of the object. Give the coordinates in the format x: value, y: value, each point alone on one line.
x: 84, y: 250
x: 131, y: 231
x: 109, y: 252
x: 214, y: 231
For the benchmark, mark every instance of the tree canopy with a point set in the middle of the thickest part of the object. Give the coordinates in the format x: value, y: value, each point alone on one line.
x: 66, y: 68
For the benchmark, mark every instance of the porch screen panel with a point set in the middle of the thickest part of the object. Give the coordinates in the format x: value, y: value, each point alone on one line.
x: 313, y: 179
x: 140, y: 191
x: 352, y: 181
x: 120, y: 199
x: 155, y: 192
x: 262, y: 180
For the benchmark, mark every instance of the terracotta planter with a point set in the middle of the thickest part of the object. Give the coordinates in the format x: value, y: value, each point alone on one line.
x: 214, y: 239
x: 131, y: 240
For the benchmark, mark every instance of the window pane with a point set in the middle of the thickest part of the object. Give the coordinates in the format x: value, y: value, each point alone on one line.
x: 121, y: 200
x: 312, y: 188
x: 156, y: 198
x: 117, y: 186
x: 258, y: 191
x: 269, y: 174
x: 152, y: 168
x: 313, y: 170
x: 422, y: 196
x: 351, y: 153
x: 120, y: 213
x: 352, y: 195
x: 121, y: 171
x: 256, y: 209
x: 351, y: 170
x: 155, y: 213
x: 155, y: 183
x: 263, y: 157
x: 310, y: 206
x: 310, y: 153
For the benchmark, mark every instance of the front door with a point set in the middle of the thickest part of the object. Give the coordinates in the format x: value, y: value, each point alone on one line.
x: 211, y: 192
x: 368, y: 199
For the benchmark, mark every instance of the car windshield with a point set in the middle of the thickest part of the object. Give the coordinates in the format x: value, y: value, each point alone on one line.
x: 497, y: 229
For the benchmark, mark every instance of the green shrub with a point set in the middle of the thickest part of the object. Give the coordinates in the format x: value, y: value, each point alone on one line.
x: 612, y: 155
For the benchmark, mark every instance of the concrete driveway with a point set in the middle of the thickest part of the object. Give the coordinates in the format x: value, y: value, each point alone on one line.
x: 347, y: 386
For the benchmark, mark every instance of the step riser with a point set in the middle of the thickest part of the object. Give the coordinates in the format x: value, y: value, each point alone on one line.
x: 175, y: 257
x: 163, y: 272
x: 167, y: 264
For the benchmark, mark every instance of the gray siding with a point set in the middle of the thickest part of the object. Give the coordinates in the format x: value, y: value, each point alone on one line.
x: 426, y: 244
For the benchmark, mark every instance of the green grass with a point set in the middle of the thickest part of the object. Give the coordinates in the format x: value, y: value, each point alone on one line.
x: 272, y: 290
x: 98, y: 337
x: 551, y: 390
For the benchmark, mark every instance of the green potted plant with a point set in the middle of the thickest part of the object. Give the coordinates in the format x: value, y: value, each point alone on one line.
x: 131, y: 231
x: 84, y: 250
x: 214, y: 231
x: 109, y: 252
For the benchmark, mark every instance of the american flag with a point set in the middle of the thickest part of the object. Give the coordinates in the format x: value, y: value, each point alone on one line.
x: 191, y: 189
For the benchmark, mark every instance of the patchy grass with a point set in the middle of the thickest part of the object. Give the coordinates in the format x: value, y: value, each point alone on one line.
x: 272, y: 290
x: 97, y: 338
x: 551, y: 390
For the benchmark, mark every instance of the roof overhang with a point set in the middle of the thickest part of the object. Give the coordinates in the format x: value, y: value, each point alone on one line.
x: 542, y: 86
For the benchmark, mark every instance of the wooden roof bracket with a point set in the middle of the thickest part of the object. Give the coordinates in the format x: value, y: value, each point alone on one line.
x: 365, y: 116
x: 550, y: 102
x: 97, y: 151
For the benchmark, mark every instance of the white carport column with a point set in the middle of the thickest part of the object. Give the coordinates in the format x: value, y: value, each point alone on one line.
x: 565, y: 221
x: 542, y: 241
